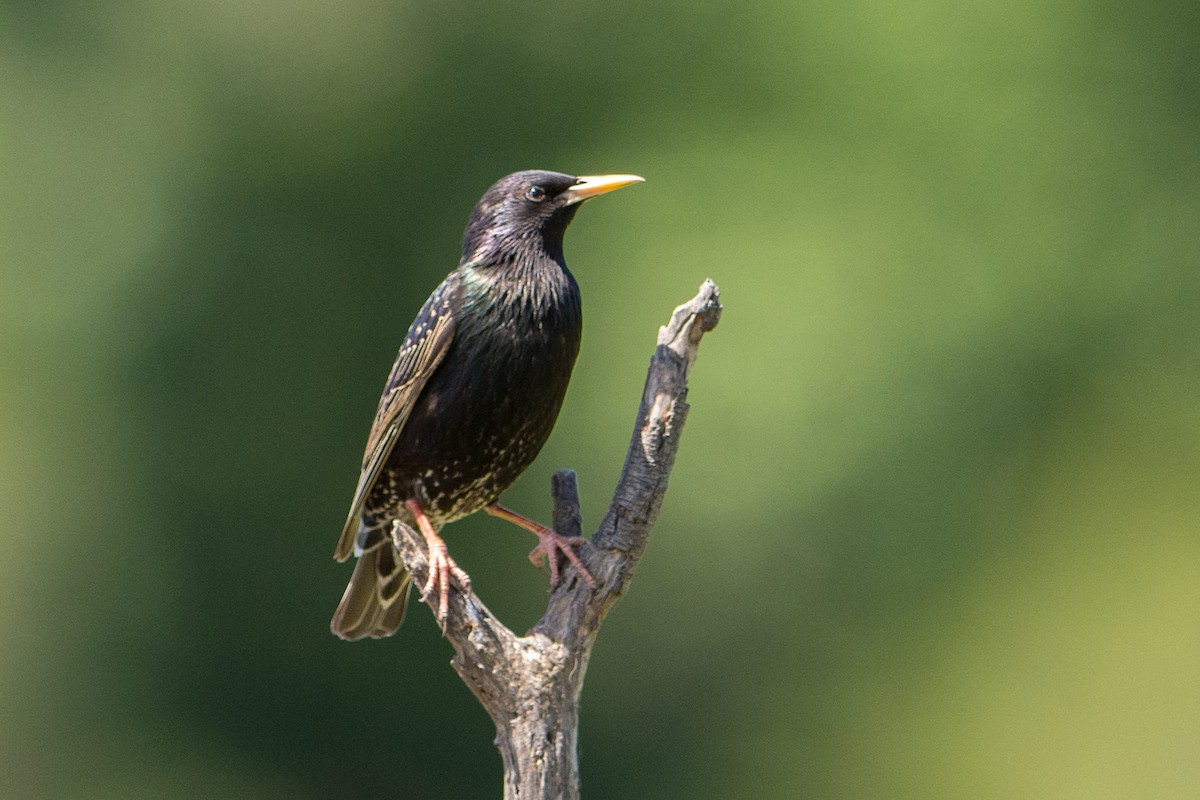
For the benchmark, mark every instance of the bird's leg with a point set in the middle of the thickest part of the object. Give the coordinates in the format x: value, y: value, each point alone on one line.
x: 550, y: 543
x: 441, y: 566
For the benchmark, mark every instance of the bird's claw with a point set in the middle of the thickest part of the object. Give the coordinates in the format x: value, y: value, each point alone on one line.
x: 441, y: 570
x: 550, y: 544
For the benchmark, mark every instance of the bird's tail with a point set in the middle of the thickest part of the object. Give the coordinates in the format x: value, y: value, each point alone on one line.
x: 374, y: 602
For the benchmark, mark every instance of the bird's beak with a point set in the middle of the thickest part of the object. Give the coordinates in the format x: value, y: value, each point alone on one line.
x: 592, y: 185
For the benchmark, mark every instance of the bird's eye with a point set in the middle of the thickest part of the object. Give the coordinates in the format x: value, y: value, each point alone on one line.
x: 536, y: 193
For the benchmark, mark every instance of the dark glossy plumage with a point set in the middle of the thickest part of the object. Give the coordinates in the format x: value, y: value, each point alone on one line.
x: 476, y: 387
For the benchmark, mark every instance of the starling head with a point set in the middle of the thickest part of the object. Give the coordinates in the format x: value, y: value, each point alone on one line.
x: 525, y: 214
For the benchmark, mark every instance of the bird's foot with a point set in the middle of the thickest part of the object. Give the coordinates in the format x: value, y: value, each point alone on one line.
x: 550, y: 544
x: 441, y: 567
x: 441, y: 570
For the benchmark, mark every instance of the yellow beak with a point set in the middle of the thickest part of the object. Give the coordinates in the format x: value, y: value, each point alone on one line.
x: 592, y: 185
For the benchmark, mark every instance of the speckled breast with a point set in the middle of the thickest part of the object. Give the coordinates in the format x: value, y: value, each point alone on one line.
x: 484, y: 414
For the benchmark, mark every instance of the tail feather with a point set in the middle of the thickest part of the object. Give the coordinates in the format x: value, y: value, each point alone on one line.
x: 375, y: 599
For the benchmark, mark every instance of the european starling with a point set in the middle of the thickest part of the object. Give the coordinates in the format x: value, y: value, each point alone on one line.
x: 472, y: 397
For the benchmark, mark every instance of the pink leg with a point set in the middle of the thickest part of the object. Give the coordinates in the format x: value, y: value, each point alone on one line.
x: 550, y: 544
x: 441, y: 566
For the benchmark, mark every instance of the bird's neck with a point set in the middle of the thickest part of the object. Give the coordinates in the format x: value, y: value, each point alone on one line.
x: 538, y: 282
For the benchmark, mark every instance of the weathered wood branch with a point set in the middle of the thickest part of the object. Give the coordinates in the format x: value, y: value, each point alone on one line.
x: 530, y: 685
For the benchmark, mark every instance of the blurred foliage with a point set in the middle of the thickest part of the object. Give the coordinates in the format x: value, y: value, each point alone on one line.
x: 934, y: 527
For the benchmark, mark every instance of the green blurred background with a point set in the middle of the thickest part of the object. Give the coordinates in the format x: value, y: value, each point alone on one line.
x: 934, y: 531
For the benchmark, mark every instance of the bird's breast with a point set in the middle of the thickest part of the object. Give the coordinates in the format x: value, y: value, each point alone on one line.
x: 491, y: 404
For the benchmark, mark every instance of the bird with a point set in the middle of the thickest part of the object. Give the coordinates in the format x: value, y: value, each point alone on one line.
x: 472, y: 396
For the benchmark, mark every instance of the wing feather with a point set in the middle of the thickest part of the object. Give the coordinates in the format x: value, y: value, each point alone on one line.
x: 424, y: 348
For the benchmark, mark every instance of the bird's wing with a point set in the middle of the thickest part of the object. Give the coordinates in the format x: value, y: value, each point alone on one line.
x: 424, y: 347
